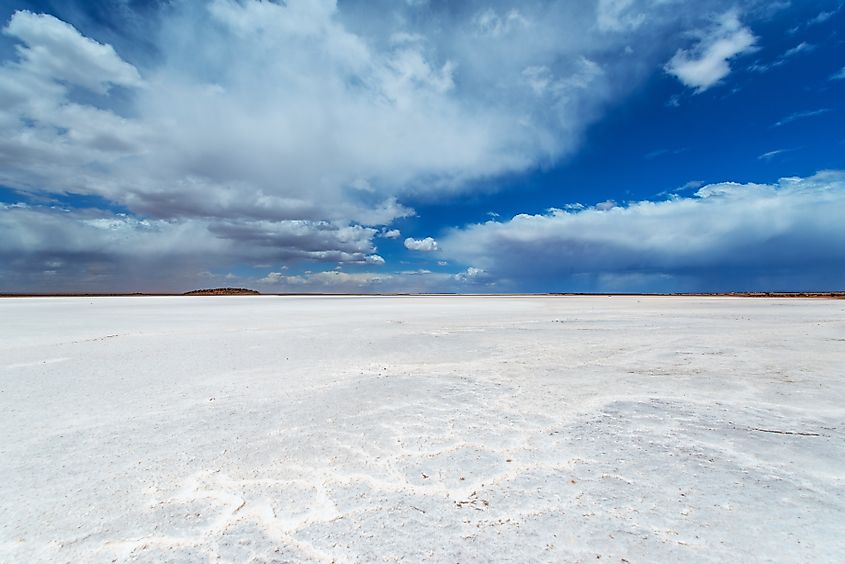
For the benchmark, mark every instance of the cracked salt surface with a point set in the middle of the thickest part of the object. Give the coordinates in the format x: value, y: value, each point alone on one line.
x: 323, y: 429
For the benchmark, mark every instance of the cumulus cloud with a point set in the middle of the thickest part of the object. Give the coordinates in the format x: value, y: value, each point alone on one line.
x: 272, y: 278
x: 708, y: 61
x: 391, y: 234
x: 397, y: 101
x: 276, y: 133
x: 426, y: 245
x: 53, y: 49
x: 374, y: 259
x: 474, y: 275
x: 728, y: 236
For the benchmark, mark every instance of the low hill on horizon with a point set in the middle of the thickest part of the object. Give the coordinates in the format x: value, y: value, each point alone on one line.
x: 223, y: 292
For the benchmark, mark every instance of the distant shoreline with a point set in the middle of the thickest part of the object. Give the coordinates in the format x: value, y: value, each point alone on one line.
x: 817, y: 295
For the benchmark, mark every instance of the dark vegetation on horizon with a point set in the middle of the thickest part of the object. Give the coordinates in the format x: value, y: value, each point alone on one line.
x: 223, y: 292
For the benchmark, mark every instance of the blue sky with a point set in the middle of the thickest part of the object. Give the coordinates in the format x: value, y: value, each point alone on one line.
x: 616, y: 145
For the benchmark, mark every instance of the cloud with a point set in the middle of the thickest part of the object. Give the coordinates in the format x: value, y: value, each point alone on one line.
x: 100, y: 250
x: 374, y: 259
x: 474, y: 275
x: 334, y: 281
x: 398, y: 101
x: 329, y: 280
x: 391, y: 234
x: 772, y: 154
x: 426, y: 245
x: 728, y: 236
x: 488, y: 22
x: 707, y: 63
x: 388, y: 116
x: 272, y: 278
x: 53, y: 49
x: 800, y: 115
x: 247, y: 132
x: 691, y: 185
x: 823, y: 16
x: 802, y: 47
x: 619, y: 15
x: 838, y: 75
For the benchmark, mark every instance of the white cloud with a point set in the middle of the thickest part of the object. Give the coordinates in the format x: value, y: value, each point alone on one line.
x: 788, y: 235
x: 838, y: 75
x: 426, y: 245
x: 473, y: 275
x: 800, y: 115
x: 54, y: 49
x: 391, y: 234
x: 707, y: 63
x: 272, y: 278
x: 397, y: 104
x: 691, y: 185
x: 802, y: 47
x: 374, y: 259
x: 767, y: 156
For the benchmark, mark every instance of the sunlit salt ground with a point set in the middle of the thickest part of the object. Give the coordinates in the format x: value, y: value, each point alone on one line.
x: 452, y: 429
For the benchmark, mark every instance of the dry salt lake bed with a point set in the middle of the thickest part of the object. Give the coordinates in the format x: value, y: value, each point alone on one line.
x: 447, y: 429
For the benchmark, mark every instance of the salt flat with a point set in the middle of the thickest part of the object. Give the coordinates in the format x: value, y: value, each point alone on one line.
x: 452, y: 429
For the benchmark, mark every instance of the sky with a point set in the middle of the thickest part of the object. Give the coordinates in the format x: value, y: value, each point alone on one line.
x: 422, y: 145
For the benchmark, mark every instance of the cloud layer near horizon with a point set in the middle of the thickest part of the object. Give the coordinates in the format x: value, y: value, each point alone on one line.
x: 728, y: 236
x: 784, y: 236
